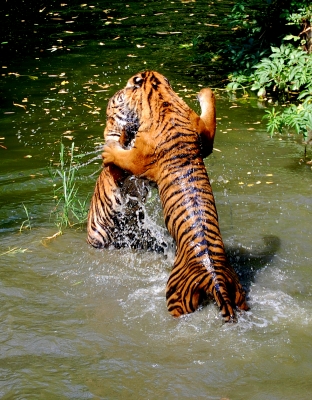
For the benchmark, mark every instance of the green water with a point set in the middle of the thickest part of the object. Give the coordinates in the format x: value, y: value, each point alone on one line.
x: 79, y: 323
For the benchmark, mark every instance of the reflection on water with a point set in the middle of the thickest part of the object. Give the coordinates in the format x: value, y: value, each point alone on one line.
x: 78, y: 323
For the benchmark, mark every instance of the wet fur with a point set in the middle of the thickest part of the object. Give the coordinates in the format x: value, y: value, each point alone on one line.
x: 169, y: 147
x: 116, y: 215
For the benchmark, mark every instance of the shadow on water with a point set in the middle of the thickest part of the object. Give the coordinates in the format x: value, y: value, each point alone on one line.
x: 247, y: 261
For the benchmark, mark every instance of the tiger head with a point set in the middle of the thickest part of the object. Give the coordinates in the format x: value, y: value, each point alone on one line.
x: 156, y: 103
x: 145, y: 95
x: 123, y: 116
x: 153, y: 79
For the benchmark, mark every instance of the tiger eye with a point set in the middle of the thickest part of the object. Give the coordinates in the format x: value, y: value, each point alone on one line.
x: 165, y: 104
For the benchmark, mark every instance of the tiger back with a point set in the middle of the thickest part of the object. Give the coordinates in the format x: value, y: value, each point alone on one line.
x: 168, y: 149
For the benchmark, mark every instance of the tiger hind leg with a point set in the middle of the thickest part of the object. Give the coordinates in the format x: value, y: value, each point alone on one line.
x: 184, y: 295
x: 187, y: 294
x: 105, y: 204
x: 224, y: 303
x: 229, y: 296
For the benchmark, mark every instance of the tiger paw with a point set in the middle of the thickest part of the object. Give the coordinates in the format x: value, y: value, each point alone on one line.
x: 109, y: 151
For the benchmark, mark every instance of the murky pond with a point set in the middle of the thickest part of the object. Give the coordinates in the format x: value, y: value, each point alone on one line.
x: 79, y: 323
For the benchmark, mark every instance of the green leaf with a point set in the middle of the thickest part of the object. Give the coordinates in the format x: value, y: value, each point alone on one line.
x: 255, y: 86
x: 291, y: 37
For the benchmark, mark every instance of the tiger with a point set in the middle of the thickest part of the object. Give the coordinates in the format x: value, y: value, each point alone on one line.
x: 168, y: 149
x: 116, y: 217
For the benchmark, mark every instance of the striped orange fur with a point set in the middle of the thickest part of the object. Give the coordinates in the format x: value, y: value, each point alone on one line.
x: 116, y: 215
x: 168, y: 149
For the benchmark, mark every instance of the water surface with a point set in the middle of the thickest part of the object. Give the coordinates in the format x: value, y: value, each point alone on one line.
x: 79, y: 323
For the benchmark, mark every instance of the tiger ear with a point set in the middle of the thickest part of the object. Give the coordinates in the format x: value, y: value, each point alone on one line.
x: 138, y: 81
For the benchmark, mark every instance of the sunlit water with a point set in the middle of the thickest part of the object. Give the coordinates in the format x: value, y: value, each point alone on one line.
x: 79, y: 323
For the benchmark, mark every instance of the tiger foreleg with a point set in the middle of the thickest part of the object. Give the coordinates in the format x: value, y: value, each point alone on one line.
x: 131, y: 160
